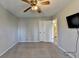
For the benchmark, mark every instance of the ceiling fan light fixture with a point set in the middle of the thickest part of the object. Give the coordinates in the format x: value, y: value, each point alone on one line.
x: 34, y: 8
x: 35, y: 4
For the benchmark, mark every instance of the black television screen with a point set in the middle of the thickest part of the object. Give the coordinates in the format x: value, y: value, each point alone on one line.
x: 73, y: 21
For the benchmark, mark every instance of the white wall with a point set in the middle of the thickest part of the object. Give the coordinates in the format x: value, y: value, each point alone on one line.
x: 67, y: 37
x: 28, y: 29
x: 8, y: 30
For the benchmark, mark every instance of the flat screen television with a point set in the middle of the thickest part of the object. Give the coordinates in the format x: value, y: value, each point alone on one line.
x: 73, y: 21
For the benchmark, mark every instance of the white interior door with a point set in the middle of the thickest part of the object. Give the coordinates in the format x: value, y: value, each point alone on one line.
x: 45, y: 30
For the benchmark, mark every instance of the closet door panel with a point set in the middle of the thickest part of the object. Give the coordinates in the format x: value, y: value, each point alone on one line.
x: 49, y: 31
x: 41, y: 26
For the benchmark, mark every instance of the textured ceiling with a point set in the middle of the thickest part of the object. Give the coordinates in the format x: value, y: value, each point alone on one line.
x: 17, y: 7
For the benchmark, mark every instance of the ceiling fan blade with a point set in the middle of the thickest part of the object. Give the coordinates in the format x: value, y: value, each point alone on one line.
x: 27, y: 9
x: 36, y: 1
x: 26, y: 1
x: 45, y: 3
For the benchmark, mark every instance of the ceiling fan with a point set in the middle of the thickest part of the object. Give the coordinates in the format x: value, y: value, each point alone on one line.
x: 34, y: 4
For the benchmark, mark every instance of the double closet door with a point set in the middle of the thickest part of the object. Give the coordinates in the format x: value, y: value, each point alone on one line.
x: 35, y: 30
x: 45, y: 30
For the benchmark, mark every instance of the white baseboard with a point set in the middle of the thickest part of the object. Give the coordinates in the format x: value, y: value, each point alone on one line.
x: 66, y: 51
x: 8, y: 49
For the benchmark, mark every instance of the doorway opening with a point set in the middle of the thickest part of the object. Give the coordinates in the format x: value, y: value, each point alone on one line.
x: 55, y: 29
